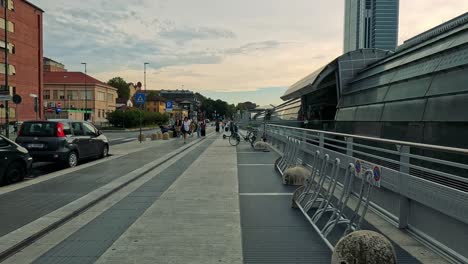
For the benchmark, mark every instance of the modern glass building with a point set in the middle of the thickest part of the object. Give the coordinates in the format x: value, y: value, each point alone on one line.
x: 371, y: 24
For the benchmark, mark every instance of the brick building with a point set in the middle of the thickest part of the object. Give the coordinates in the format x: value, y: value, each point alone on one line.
x: 25, y: 56
x: 53, y: 66
x: 76, y: 94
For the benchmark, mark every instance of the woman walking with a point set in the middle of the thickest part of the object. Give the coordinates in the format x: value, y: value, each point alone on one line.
x: 185, y: 128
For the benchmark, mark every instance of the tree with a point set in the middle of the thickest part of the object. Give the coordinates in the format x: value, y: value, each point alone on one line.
x: 123, y: 88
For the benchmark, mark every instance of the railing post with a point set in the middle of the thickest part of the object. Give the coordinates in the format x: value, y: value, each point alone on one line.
x: 349, y: 146
x: 404, y: 201
x: 321, y: 140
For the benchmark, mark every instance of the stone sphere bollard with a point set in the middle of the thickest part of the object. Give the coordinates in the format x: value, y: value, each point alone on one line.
x: 295, y: 175
x: 364, y: 247
x: 154, y: 137
x: 166, y: 136
x: 170, y: 133
x: 260, y: 145
x: 160, y: 136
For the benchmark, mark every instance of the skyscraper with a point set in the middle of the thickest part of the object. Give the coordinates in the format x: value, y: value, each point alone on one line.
x: 371, y: 24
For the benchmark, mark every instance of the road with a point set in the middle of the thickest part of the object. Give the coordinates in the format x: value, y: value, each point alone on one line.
x: 115, y: 138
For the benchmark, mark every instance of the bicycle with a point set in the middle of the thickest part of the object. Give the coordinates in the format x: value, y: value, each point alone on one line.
x: 234, y: 138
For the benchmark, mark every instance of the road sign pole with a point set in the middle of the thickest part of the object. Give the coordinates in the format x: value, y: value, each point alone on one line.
x: 140, y: 138
x: 7, y: 87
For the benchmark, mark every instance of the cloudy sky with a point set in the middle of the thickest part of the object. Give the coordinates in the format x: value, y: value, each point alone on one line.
x: 233, y: 50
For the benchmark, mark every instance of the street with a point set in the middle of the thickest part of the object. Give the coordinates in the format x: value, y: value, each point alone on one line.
x: 115, y: 138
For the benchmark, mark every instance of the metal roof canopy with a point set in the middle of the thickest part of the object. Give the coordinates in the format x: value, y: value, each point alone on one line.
x: 346, y: 66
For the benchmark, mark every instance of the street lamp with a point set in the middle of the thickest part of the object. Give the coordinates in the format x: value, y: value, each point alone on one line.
x: 146, y: 63
x: 86, y: 90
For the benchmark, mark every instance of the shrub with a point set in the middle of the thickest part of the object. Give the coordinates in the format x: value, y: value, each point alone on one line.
x: 131, y: 118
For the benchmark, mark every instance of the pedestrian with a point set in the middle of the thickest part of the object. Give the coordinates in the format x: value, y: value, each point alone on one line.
x: 203, y: 128
x: 177, y: 127
x: 217, y: 126
x: 185, y: 128
x: 199, y: 126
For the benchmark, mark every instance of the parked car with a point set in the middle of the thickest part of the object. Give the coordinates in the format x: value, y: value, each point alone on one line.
x: 15, y: 161
x: 64, y: 141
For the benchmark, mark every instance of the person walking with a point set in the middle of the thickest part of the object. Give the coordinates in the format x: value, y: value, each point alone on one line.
x: 177, y: 127
x: 185, y: 128
x: 199, y: 126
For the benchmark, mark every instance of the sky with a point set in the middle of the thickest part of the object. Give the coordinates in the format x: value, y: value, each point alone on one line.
x: 243, y: 50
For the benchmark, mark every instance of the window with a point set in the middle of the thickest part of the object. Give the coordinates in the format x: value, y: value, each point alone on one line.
x: 11, y: 4
x: 11, y: 25
x: 89, y: 130
x: 54, y: 94
x: 110, y: 97
x: 11, y: 47
x: 46, y: 94
x: 39, y: 129
x: 90, y: 95
x: 61, y: 95
x: 72, y: 95
x: 77, y: 129
x: 3, y: 143
x: 99, y: 113
x: 67, y: 129
x: 101, y: 96
x: 12, y: 89
x: 11, y: 69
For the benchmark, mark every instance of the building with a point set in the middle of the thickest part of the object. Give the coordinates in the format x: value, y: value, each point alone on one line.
x: 184, y: 99
x: 371, y: 24
x: 25, y: 68
x: 123, y: 103
x: 155, y: 103
x: 77, y: 94
x: 418, y: 93
x: 53, y: 66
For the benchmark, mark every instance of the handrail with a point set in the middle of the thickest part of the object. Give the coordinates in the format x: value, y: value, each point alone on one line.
x: 388, y: 141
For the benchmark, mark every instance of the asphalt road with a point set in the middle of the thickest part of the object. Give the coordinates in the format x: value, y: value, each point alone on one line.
x: 115, y: 138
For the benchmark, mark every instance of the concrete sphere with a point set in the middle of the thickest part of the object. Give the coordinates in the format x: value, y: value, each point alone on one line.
x: 364, y: 247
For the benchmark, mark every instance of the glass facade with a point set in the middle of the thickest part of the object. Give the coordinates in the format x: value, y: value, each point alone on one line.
x: 371, y: 24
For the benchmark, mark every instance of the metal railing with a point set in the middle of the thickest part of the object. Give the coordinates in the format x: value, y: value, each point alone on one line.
x: 423, y: 187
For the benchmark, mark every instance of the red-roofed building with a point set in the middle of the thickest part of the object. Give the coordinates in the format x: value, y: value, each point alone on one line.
x: 76, y: 93
x: 24, y: 57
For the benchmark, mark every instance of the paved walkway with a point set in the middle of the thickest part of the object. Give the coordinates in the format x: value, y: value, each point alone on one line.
x: 195, y: 221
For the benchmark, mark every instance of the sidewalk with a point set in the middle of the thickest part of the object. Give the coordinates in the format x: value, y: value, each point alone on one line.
x: 197, y: 220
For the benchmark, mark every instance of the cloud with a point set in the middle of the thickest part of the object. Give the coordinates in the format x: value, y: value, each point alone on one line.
x: 185, y: 34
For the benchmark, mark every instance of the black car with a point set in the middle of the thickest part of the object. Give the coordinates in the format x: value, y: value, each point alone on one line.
x: 65, y: 141
x: 15, y: 162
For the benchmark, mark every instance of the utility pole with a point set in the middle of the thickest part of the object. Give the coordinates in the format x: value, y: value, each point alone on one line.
x: 7, y: 107
x: 86, y: 91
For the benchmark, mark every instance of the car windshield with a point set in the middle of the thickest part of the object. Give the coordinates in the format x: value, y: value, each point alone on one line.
x: 38, y: 129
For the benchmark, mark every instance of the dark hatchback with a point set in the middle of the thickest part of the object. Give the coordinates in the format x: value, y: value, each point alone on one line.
x: 15, y: 162
x: 64, y: 141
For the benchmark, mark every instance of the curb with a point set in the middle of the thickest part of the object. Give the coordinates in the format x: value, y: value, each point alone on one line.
x: 5, y: 254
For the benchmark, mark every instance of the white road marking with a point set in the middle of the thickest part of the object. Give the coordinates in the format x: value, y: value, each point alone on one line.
x: 115, y: 139
x: 130, y: 139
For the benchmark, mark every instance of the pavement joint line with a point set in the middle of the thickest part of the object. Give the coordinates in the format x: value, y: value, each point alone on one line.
x: 5, y: 254
x: 251, y: 152
x: 46, y: 177
x: 266, y: 194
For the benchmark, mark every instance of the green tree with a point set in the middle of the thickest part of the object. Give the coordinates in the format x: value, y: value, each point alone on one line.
x: 123, y: 88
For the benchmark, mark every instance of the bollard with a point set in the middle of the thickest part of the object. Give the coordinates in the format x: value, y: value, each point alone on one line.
x: 154, y: 137
x: 260, y: 146
x: 141, y: 138
x: 364, y: 247
x: 295, y: 175
x: 166, y: 136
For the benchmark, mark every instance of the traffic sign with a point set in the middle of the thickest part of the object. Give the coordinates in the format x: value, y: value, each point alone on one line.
x: 58, y: 110
x: 140, y: 98
x: 59, y: 105
x: 17, y: 99
x: 169, y: 106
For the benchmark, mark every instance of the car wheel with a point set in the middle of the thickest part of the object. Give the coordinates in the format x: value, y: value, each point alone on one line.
x: 15, y: 173
x: 72, y: 159
x: 105, y: 151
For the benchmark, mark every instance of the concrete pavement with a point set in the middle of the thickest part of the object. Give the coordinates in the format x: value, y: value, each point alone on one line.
x: 197, y: 220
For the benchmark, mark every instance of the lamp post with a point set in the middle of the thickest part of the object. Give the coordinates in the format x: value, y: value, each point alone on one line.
x: 144, y: 65
x: 86, y: 90
x: 7, y: 87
